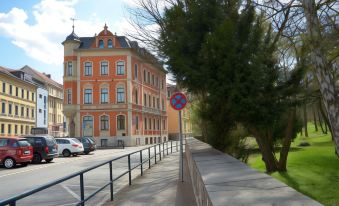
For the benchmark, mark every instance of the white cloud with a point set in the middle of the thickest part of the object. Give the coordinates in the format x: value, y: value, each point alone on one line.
x: 42, y: 39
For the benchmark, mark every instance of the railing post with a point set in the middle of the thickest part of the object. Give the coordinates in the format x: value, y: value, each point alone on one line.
x: 111, y: 179
x: 155, y: 154
x: 129, y: 170
x: 160, y: 151
x: 149, y: 158
x: 171, y: 146
x: 82, y: 191
x: 141, y: 167
x: 167, y: 147
x: 163, y: 149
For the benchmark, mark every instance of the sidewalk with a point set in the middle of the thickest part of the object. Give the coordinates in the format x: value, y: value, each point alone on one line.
x: 159, y: 185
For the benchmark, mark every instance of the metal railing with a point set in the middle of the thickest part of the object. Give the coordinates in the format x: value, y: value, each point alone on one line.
x: 161, y: 153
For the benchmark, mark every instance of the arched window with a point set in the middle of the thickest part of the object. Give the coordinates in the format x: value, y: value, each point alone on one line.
x: 104, y: 126
x: 120, y: 94
x: 120, y: 68
x: 104, y: 96
x: 146, y: 140
x: 136, y: 96
x: 109, y: 43
x: 101, y: 43
x: 87, y: 122
x: 121, y: 122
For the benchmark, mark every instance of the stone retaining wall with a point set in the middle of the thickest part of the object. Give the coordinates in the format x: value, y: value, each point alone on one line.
x: 220, y: 180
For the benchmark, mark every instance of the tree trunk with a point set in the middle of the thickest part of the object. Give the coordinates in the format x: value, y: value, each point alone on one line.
x: 287, y: 141
x: 305, y: 118
x: 315, y: 119
x: 323, y: 69
x: 321, y: 123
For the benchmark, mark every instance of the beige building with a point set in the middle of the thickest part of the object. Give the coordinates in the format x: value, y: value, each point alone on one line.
x: 17, y: 104
x: 173, y: 116
x: 55, y: 102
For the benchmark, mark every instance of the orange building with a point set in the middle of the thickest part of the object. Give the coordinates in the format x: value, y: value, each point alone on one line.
x: 113, y: 90
x: 173, y: 116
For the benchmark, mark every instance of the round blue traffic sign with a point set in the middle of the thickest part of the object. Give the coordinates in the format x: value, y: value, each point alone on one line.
x: 178, y: 101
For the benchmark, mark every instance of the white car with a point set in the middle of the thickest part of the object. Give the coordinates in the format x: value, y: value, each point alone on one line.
x: 69, y: 146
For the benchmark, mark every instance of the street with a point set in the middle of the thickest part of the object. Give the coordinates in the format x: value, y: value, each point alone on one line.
x: 21, y: 179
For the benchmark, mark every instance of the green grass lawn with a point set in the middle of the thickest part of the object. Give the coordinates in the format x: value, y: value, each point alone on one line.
x: 313, y: 170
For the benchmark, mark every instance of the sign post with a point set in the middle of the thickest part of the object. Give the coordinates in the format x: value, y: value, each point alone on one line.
x: 178, y: 101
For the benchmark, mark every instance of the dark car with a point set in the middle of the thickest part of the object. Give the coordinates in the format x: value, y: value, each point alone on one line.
x: 44, y: 148
x: 88, y: 143
x: 15, y: 150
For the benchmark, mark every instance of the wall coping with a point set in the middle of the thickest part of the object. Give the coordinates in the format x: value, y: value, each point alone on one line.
x: 220, y: 179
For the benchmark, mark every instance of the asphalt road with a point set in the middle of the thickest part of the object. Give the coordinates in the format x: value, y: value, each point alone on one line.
x: 21, y: 179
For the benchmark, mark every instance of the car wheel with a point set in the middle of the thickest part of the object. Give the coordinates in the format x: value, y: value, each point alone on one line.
x: 24, y: 164
x: 9, y: 163
x: 36, y: 158
x: 86, y: 153
x: 66, y: 153
x: 48, y: 160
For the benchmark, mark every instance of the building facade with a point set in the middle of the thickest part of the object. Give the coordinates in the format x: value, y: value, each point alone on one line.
x: 42, y: 107
x: 173, y: 116
x: 114, y: 90
x: 17, y: 103
x: 54, y: 102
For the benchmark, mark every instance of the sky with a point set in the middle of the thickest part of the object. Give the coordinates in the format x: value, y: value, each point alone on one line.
x: 31, y: 31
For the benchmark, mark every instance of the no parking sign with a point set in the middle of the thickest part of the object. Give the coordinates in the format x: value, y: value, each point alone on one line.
x: 178, y: 101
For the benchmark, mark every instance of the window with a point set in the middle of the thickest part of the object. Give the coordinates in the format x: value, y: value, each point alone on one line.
x: 16, y: 110
x: 137, y: 122
x: 69, y: 96
x: 22, y: 111
x: 3, y: 87
x: 136, y: 96
x: 27, y: 96
x: 32, y: 96
x: 153, y: 124
x: 88, y: 96
x: 69, y: 69
x: 87, y: 126
x: 145, y: 100
x: 149, y: 123
x: 145, y: 123
x: 157, y: 81
x: 22, y: 93
x: 104, y: 68
x: 121, y: 122
x: 2, y: 128
x: 110, y: 43
x: 135, y: 71
x: 153, y: 80
x: 88, y: 68
x: 146, y: 140
x: 27, y: 112
x: 10, y: 109
x: 144, y: 75
x: 120, y: 68
x: 158, y: 124
x: 153, y: 102
x: 163, y: 104
x: 44, y: 116
x: 32, y: 113
x: 3, y: 108
x: 104, y: 95
x: 21, y: 129
x: 104, y: 123
x: 120, y: 95
x: 10, y: 89
x: 16, y: 91
x: 9, y: 129
x: 15, y: 129
x: 149, y: 101
x: 149, y: 77
x: 101, y: 43
x: 158, y: 103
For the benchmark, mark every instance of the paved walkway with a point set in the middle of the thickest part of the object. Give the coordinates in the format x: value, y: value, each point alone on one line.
x: 159, y: 185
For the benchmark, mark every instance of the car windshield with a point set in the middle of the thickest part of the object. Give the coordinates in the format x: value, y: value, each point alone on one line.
x: 76, y: 140
x: 23, y: 143
x: 91, y: 141
x: 50, y: 141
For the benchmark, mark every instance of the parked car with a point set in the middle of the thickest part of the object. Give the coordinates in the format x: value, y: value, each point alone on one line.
x: 44, y: 148
x: 15, y: 150
x: 69, y: 146
x: 89, y: 144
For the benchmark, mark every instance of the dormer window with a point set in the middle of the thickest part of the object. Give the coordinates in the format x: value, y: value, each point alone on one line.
x: 110, y: 43
x: 101, y: 43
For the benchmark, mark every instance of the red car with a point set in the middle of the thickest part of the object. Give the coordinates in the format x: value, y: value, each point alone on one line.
x: 15, y: 150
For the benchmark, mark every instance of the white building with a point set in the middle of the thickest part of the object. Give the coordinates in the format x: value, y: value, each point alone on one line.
x: 42, y: 107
